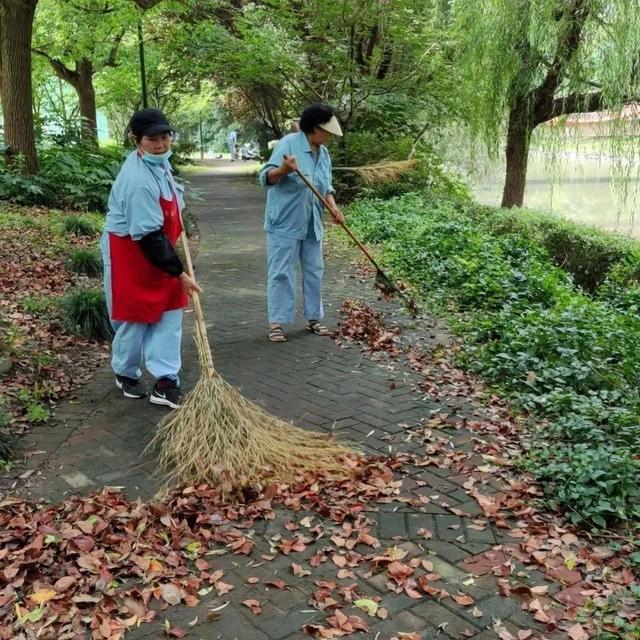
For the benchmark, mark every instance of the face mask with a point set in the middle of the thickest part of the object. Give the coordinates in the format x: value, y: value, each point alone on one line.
x: 156, y: 158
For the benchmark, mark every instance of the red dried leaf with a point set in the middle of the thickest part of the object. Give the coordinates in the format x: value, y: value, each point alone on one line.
x: 254, y: 605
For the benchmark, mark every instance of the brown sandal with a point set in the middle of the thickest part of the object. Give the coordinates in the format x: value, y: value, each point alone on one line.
x: 276, y: 334
x: 315, y: 327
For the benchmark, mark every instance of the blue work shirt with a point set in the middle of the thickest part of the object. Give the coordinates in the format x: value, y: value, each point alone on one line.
x: 134, y: 202
x: 292, y: 208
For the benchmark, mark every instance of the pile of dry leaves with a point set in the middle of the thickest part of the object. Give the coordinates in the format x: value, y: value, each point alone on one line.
x: 361, y: 323
x: 107, y: 564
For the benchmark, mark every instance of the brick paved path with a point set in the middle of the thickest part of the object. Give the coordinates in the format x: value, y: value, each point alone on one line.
x: 313, y: 382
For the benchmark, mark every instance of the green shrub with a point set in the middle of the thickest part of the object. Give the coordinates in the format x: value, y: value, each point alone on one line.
x: 601, y: 481
x: 25, y: 190
x: 586, y: 252
x: 76, y: 177
x: 368, y: 147
x: 86, y: 261
x: 80, y: 225
x: 568, y: 358
x: 428, y: 175
x: 84, y: 313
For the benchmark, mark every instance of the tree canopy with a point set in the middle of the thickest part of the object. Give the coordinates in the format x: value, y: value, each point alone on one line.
x: 394, y: 68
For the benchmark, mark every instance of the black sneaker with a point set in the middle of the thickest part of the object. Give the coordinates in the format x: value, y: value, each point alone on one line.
x: 166, y: 392
x: 131, y: 388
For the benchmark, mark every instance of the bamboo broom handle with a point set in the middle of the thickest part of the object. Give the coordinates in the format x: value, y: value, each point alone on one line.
x: 342, y: 224
x: 201, y: 327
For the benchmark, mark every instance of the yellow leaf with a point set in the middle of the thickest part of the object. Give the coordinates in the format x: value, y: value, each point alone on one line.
x: 570, y: 562
x: 368, y: 606
x: 43, y: 595
x: 156, y: 566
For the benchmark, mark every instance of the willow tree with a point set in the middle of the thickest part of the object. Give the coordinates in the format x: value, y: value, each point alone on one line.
x: 527, y: 62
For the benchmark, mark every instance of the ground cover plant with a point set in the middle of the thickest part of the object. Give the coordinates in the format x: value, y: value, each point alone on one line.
x: 75, y: 177
x: 564, y: 356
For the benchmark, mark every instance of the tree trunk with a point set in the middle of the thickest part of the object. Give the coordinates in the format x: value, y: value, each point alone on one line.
x: 517, y: 154
x: 16, y: 23
x: 87, y: 100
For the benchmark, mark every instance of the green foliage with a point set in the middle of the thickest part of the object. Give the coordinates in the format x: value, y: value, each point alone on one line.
x: 86, y: 261
x: 84, y: 313
x: 36, y: 411
x: 553, y: 350
x: 588, y: 253
x: 596, y: 483
x: 605, y: 613
x: 369, y: 146
x: 38, y: 305
x: 80, y: 225
x: 428, y: 175
x: 70, y: 177
x: 503, y: 57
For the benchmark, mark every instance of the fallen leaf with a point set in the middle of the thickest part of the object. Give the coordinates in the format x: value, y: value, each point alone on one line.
x: 367, y: 605
x: 577, y: 632
x: 43, y: 595
x: 170, y: 593
x: 299, y: 571
x: 254, y: 605
x: 278, y: 584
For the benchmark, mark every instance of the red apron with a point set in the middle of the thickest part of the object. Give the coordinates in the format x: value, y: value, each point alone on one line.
x: 140, y: 291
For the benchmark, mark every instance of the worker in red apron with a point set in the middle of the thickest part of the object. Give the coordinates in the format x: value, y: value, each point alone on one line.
x: 145, y: 283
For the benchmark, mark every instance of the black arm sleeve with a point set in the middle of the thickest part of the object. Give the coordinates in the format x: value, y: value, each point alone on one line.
x: 158, y: 250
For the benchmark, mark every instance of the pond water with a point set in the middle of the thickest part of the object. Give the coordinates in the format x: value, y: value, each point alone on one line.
x: 579, y: 187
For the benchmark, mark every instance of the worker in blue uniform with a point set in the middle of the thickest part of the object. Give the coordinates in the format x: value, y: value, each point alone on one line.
x: 293, y: 219
x: 145, y: 283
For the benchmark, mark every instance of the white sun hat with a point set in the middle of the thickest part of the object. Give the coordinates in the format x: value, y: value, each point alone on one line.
x: 332, y: 126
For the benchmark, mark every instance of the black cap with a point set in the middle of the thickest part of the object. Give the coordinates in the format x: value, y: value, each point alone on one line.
x: 149, y: 122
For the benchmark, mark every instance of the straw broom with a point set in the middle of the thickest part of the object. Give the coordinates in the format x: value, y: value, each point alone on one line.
x: 380, y: 172
x: 220, y: 438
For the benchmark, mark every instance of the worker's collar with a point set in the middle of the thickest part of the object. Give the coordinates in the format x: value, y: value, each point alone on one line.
x: 306, y: 145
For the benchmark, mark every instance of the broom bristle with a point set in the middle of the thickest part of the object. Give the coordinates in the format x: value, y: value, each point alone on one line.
x: 380, y: 172
x: 220, y: 438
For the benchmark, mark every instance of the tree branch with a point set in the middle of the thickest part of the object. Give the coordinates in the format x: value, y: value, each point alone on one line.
x: 113, y: 53
x: 61, y: 70
x: 569, y: 40
x: 581, y: 103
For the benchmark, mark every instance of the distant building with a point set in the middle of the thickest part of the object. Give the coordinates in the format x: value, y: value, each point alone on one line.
x: 602, y: 123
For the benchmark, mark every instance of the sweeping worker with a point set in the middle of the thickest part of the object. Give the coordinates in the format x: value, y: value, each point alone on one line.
x: 145, y: 283
x: 293, y: 219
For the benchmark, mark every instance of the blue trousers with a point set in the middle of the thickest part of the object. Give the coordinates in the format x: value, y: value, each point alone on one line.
x: 156, y: 345
x: 283, y: 255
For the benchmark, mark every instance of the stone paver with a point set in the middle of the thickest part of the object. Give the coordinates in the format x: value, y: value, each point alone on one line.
x: 309, y: 380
